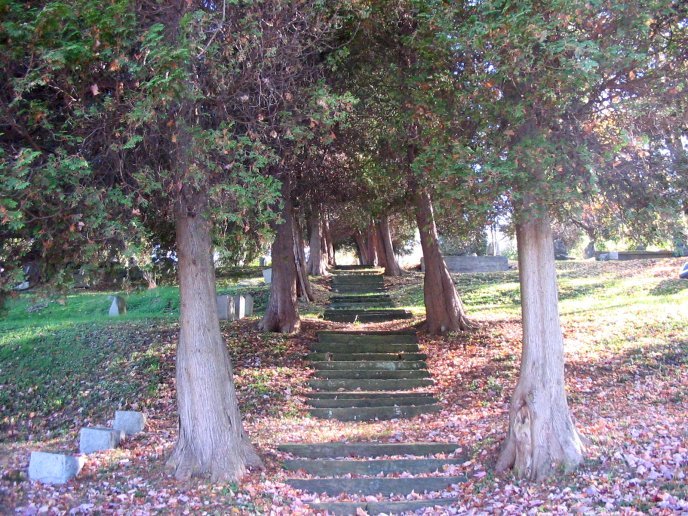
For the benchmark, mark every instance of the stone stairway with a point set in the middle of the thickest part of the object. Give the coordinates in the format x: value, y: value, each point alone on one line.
x: 371, y: 376
x: 360, y: 297
x: 374, y: 469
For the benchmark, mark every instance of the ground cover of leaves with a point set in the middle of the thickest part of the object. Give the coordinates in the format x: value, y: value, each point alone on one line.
x: 627, y: 382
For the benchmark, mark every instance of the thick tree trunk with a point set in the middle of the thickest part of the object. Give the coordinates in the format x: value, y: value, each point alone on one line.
x: 361, y: 248
x: 541, y: 435
x: 281, y: 314
x: 391, y: 265
x: 304, y: 290
x: 317, y: 260
x: 372, y: 246
x: 211, y: 436
x: 443, y: 309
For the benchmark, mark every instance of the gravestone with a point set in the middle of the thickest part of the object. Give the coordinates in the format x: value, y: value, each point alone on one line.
x: 24, y: 285
x: 129, y: 421
x: 224, y: 308
x: 267, y: 275
x: 99, y: 438
x: 684, y: 271
x: 249, y: 305
x: 54, y: 468
x: 239, y: 307
x: 118, y: 306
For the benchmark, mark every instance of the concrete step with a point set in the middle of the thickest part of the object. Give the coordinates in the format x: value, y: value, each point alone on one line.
x: 373, y: 298
x: 371, y: 374
x: 366, y: 316
x: 381, y: 365
x: 411, y: 506
x: 364, y: 395
x: 364, y: 347
x: 344, y: 337
x: 372, y: 486
x: 382, y: 305
x: 388, y: 401
x: 350, y: 357
x: 357, y: 290
x: 336, y: 467
x: 373, y: 413
x: 333, y: 450
x: 370, y: 385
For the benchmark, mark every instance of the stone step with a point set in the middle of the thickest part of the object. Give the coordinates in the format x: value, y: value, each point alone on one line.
x: 370, y: 385
x: 371, y: 374
x: 356, y: 267
x: 373, y: 486
x: 354, y: 508
x: 334, y: 450
x: 364, y: 395
x: 337, y: 467
x: 364, y: 347
x: 357, y: 290
x: 389, y: 401
x: 350, y: 357
x: 361, y: 306
x: 366, y: 316
x: 365, y: 281
x: 381, y: 365
x: 398, y: 337
x: 373, y: 413
x: 360, y: 299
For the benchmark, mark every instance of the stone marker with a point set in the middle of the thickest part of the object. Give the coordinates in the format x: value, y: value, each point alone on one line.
x: 129, y: 421
x: 118, y: 306
x: 239, y: 306
x: 248, y: 307
x: 267, y: 275
x: 224, y: 308
x: 24, y: 285
x: 54, y: 468
x: 99, y: 438
x: 684, y: 272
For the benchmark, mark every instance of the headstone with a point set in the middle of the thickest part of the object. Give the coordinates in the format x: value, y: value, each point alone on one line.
x: 613, y: 255
x: 249, y: 305
x: 24, y: 285
x: 99, y: 438
x: 560, y: 250
x: 118, y: 306
x: 128, y: 421
x: 239, y: 307
x: 54, y: 468
x: 225, y: 308
x: 684, y: 272
x: 267, y: 275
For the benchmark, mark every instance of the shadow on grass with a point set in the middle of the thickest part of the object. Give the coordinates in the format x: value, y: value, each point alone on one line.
x: 668, y: 287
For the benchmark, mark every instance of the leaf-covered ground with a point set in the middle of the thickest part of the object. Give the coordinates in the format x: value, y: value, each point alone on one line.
x: 626, y: 328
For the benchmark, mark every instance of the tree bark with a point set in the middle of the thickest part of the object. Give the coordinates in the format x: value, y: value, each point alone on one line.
x: 541, y: 434
x: 329, y: 244
x: 304, y: 290
x: 362, y: 248
x: 211, y: 436
x: 281, y: 314
x: 372, y: 246
x: 317, y: 260
x: 443, y: 308
x: 391, y: 265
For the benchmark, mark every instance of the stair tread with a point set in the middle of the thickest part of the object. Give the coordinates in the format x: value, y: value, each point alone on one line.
x: 375, y: 485
x: 366, y: 449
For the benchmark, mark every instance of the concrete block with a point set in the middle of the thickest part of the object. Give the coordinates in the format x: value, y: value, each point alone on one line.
x: 239, y: 307
x: 249, y: 305
x: 129, y: 421
x: 54, y: 468
x: 99, y: 438
x: 267, y: 275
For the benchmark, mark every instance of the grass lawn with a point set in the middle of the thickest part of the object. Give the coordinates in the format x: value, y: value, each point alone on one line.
x: 65, y: 364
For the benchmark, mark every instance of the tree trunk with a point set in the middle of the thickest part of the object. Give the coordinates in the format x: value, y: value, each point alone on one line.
x: 304, y: 290
x: 211, y: 436
x: 589, y: 251
x: 371, y: 245
x: 391, y: 265
x: 541, y: 434
x: 443, y: 309
x: 317, y: 260
x: 362, y: 248
x: 281, y: 314
x: 329, y: 244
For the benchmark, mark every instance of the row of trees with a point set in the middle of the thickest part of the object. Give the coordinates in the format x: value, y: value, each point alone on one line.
x: 126, y: 122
